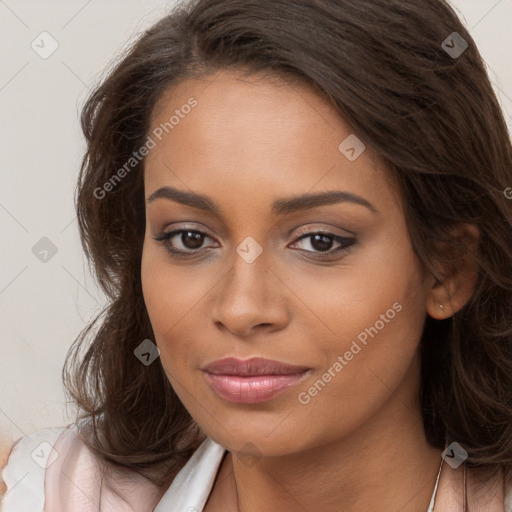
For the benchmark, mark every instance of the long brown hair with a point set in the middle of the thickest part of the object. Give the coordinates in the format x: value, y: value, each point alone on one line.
x: 433, y: 118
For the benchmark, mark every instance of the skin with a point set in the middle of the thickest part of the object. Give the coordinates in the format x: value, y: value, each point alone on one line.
x: 4, y: 455
x: 359, y: 443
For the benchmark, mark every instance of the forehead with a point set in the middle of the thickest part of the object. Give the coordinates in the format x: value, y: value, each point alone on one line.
x: 256, y: 135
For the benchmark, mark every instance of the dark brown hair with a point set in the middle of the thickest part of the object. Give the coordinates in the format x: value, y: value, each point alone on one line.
x: 433, y: 118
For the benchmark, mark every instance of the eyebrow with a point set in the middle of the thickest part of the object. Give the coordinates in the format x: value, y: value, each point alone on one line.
x: 281, y: 206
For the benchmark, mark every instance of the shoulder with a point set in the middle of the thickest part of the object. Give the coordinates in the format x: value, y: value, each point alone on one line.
x: 485, y: 488
x: 54, y: 469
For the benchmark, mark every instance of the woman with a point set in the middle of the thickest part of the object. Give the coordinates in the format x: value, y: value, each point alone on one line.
x: 298, y: 210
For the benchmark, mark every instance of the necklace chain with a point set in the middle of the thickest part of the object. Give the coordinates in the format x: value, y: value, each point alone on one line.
x: 465, y: 495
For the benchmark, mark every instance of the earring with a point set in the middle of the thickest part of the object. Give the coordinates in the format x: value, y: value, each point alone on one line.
x: 441, y: 306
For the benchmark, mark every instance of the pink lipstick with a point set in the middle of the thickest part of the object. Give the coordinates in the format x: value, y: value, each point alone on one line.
x: 253, y: 380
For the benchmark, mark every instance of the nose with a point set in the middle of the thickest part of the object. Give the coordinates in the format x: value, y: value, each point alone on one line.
x: 250, y: 299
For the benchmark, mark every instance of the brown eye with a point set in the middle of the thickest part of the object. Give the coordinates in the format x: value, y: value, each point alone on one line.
x: 183, y: 241
x: 191, y: 239
x: 320, y: 242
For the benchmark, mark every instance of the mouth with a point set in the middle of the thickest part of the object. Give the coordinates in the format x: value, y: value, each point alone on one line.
x: 257, y: 366
x: 252, y: 381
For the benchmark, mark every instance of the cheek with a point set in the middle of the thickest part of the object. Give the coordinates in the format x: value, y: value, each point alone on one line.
x: 173, y: 295
x: 168, y: 291
x: 154, y: 286
x: 366, y: 369
x: 375, y: 324
x: 376, y: 293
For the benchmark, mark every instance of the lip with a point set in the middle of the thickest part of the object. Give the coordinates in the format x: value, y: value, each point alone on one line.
x: 253, y: 366
x: 253, y: 380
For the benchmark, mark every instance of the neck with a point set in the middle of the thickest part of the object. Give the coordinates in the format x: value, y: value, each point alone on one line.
x: 386, y: 464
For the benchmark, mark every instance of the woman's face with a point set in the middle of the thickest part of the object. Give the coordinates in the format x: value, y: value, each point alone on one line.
x: 254, y: 278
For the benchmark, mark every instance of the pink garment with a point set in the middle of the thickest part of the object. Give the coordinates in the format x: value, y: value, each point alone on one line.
x: 74, y: 482
x: 68, y: 478
x: 53, y: 470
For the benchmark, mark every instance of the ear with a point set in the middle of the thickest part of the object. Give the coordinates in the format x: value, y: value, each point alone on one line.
x: 455, y: 283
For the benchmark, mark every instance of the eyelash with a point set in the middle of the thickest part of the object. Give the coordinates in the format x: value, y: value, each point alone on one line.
x: 346, y: 242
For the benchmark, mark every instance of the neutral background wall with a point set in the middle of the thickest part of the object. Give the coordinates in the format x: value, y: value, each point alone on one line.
x: 45, y: 304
